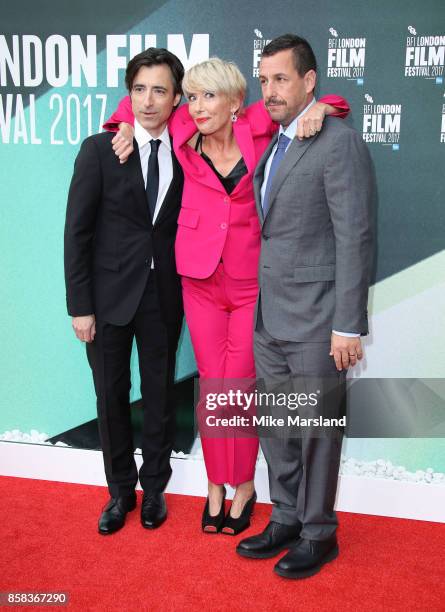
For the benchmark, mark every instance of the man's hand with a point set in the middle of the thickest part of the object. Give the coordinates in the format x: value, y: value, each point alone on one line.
x: 346, y: 351
x: 123, y: 142
x: 85, y: 327
x: 312, y: 120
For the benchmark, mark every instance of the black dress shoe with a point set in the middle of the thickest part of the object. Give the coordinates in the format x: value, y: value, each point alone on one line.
x: 113, y: 516
x: 275, y: 538
x: 213, y: 524
x: 234, y: 526
x: 153, y: 510
x: 306, y: 558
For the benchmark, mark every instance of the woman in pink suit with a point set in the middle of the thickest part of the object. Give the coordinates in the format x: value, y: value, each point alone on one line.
x: 218, y: 144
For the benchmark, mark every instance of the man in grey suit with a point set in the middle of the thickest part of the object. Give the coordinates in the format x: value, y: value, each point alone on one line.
x: 314, y: 203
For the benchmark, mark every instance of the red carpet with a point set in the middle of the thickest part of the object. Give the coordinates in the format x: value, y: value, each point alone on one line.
x: 49, y: 543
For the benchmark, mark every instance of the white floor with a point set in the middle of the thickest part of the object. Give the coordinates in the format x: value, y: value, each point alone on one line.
x: 359, y: 494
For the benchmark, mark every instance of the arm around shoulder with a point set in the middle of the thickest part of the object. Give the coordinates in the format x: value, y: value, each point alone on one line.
x: 339, y: 106
x: 259, y: 119
x: 123, y: 114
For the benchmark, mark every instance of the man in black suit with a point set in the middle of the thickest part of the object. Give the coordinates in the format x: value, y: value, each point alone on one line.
x: 122, y: 284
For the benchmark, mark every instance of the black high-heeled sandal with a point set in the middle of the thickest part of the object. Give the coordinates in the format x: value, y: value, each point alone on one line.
x: 212, y: 524
x: 234, y: 526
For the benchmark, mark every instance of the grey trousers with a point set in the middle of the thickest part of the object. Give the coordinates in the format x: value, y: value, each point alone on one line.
x: 303, y: 469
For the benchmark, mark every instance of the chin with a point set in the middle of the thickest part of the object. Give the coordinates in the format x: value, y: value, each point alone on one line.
x: 276, y: 114
x: 150, y: 125
x: 204, y: 129
x: 144, y: 122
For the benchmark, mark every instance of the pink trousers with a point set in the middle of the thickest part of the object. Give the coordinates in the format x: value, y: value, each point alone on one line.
x: 219, y: 313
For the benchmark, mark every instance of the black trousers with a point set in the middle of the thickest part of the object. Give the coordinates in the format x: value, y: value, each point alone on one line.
x: 109, y: 357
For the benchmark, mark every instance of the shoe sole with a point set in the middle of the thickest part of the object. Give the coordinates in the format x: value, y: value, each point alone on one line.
x: 333, y: 554
x: 265, y: 555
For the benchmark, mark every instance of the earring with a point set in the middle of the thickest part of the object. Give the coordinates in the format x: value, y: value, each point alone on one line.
x: 234, y: 117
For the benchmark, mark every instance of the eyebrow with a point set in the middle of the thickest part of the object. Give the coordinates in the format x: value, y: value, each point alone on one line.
x: 153, y: 86
x: 203, y: 91
x: 278, y: 74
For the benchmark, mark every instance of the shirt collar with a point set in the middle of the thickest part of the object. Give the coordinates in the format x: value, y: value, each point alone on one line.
x: 143, y: 137
x: 291, y: 129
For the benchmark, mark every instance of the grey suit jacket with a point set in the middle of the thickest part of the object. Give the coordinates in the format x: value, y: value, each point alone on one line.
x: 317, y: 237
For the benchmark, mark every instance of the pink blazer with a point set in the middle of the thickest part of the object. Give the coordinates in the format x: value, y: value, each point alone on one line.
x: 212, y: 224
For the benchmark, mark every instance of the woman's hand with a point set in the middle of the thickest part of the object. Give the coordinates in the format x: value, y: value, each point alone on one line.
x: 123, y: 142
x: 312, y: 120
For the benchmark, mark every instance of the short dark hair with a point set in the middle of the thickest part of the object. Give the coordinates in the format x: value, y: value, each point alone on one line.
x: 155, y: 57
x: 304, y: 58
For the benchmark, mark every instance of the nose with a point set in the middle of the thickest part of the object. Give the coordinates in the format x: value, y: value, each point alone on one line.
x: 148, y: 98
x: 199, y: 107
x: 268, y: 89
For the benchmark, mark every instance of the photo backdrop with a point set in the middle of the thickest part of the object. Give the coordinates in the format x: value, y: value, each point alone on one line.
x: 62, y: 72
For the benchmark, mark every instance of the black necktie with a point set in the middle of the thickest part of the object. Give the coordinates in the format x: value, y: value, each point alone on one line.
x: 152, y: 177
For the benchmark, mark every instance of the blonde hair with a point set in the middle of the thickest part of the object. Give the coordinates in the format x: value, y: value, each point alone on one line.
x: 217, y: 76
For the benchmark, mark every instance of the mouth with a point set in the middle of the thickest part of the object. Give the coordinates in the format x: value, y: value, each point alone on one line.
x: 149, y: 115
x: 201, y: 120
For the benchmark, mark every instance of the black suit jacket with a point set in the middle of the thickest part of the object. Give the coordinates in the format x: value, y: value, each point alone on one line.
x: 110, y: 240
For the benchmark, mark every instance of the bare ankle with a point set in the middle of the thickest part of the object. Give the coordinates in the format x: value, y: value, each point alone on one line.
x: 245, y: 488
x: 214, y: 489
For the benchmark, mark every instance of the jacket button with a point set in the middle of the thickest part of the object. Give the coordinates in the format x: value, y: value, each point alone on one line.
x: 226, y: 199
x: 223, y: 226
x: 266, y: 237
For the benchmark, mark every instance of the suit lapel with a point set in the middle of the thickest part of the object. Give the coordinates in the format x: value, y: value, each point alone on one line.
x: 259, y: 176
x: 243, y: 137
x: 294, y: 153
x: 194, y: 165
x: 170, y: 199
x: 199, y: 168
x: 136, y: 180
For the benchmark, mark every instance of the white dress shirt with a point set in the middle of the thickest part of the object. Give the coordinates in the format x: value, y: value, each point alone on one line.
x: 143, y: 139
x: 290, y: 132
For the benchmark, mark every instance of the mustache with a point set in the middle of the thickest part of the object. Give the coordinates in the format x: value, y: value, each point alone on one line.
x: 275, y: 102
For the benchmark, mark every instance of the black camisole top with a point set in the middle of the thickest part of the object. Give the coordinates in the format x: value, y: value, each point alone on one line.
x: 230, y: 181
